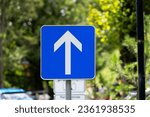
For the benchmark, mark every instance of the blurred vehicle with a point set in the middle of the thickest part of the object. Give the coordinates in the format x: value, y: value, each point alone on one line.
x: 39, y: 95
x: 133, y: 95
x: 14, y: 94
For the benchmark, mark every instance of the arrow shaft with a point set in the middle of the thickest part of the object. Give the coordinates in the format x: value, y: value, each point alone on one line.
x: 68, y: 58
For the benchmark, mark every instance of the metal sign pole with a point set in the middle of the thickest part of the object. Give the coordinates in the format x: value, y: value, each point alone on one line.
x: 140, y: 36
x: 68, y: 89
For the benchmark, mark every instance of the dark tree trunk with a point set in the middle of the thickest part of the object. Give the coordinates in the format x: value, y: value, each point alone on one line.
x: 2, y: 10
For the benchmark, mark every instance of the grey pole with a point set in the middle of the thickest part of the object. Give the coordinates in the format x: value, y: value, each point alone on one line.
x: 140, y: 36
x: 68, y: 89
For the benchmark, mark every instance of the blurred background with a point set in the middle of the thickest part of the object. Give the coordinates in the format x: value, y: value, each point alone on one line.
x: 115, y: 23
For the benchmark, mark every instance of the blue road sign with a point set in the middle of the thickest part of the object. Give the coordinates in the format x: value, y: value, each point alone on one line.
x: 67, y: 52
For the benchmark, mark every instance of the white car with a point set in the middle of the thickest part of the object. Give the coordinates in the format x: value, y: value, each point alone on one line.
x: 13, y: 94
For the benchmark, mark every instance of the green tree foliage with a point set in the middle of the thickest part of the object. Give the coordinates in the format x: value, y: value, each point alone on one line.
x: 22, y: 43
x: 103, y: 15
x: 115, y: 24
x: 21, y: 46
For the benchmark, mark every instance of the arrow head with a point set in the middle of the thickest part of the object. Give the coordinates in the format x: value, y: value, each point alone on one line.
x: 68, y: 37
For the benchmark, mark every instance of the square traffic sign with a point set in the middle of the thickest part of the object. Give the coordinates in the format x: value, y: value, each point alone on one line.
x: 67, y: 52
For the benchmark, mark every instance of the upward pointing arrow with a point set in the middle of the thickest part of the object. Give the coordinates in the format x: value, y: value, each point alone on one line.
x: 67, y: 38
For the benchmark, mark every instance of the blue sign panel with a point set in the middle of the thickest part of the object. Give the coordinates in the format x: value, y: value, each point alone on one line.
x: 67, y: 52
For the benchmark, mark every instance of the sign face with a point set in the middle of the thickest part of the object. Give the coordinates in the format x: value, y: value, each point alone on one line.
x: 67, y: 52
x: 78, y: 86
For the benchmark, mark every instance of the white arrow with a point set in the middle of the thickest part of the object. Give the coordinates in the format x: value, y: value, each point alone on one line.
x: 68, y: 38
